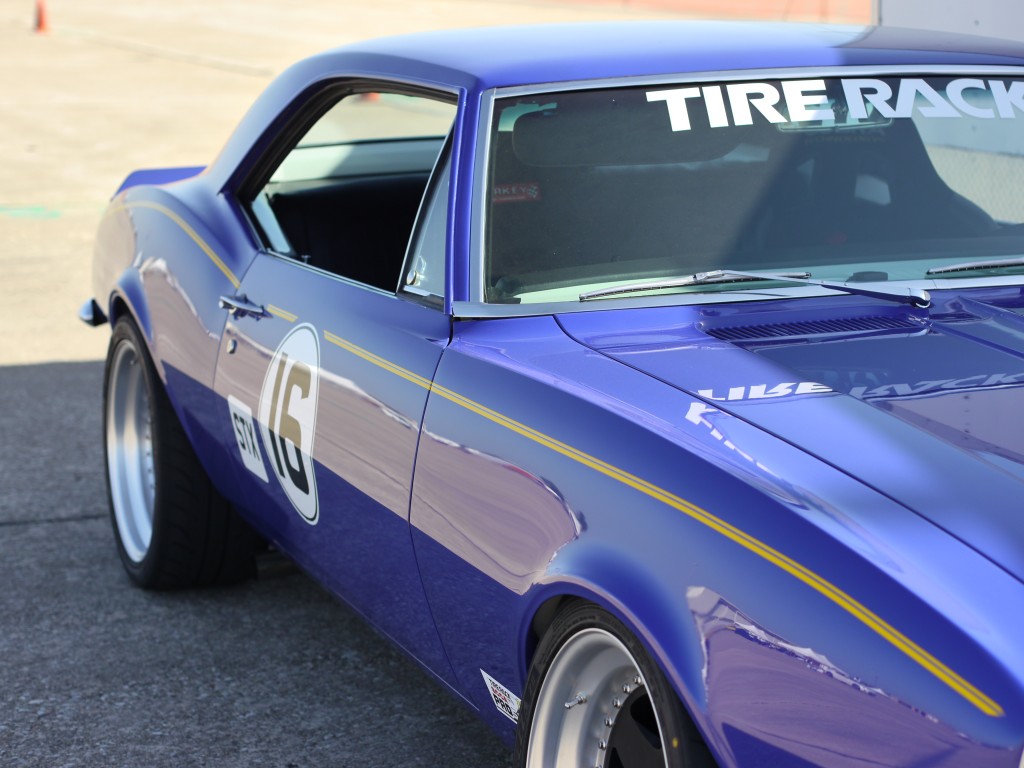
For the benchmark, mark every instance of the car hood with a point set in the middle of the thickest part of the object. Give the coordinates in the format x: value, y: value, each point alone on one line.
x: 926, y: 407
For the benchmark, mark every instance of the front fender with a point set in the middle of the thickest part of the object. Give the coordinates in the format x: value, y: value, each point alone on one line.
x: 742, y: 563
x: 627, y: 587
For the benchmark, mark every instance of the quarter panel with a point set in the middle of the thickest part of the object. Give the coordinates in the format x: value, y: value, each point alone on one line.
x: 170, y: 266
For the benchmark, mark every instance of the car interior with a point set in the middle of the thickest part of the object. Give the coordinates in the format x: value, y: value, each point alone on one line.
x: 345, y: 198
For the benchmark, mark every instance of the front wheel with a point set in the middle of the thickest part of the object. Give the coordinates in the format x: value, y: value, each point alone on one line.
x: 171, y: 526
x: 595, y: 698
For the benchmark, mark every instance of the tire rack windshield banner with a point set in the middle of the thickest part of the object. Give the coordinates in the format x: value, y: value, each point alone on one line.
x: 847, y: 102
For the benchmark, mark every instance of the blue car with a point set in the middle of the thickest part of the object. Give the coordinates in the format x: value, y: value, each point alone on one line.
x: 659, y: 388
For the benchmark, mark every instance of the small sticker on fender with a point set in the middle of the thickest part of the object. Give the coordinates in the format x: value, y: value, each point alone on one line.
x: 245, y: 435
x: 506, y: 701
x: 762, y: 391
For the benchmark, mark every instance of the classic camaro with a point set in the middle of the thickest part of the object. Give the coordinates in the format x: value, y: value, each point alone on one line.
x: 658, y: 387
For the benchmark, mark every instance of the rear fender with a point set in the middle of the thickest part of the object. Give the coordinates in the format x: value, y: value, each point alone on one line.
x: 129, y: 296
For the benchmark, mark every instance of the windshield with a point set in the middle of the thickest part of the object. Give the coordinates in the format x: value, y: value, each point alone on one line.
x: 865, y: 179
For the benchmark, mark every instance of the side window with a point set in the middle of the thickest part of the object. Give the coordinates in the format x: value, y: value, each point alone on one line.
x: 424, y: 274
x: 344, y: 198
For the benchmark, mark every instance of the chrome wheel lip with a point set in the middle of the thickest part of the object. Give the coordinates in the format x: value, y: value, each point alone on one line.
x: 582, y: 694
x: 129, y: 438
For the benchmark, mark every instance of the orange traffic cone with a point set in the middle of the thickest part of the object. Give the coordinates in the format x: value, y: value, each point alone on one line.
x: 42, y: 19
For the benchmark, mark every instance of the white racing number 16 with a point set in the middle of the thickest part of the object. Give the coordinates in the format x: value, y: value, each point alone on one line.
x: 288, y: 417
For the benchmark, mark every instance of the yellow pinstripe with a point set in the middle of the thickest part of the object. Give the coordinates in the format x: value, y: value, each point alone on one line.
x: 282, y: 313
x: 186, y: 228
x: 819, y: 584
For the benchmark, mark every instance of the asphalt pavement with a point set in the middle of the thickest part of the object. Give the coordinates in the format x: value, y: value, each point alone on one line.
x: 94, y: 672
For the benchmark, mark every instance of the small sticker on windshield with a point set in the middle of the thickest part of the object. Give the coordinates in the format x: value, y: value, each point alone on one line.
x: 516, y: 193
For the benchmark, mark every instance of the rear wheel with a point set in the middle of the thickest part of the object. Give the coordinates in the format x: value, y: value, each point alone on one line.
x: 594, y: 698
x: 171, y: 526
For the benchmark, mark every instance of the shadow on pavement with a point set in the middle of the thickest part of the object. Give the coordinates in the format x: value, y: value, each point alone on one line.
x: 95, y: 672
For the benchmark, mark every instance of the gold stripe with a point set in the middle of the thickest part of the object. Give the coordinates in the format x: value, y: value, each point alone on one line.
x: 284, y: 314
x: 186, y: 229
x: 824, y: 587
x: 377, y: 360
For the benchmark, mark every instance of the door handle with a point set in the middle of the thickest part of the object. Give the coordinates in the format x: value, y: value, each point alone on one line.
x: 240, y: 306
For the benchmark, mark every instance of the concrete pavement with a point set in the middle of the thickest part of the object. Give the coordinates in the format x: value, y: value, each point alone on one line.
x: 122, y: 84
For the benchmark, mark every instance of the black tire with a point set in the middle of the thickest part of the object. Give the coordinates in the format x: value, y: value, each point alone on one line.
x: 594, y: 698
x: 173, y: 530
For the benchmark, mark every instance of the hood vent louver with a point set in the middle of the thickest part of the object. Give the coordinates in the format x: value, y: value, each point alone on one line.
x: 766, y: 331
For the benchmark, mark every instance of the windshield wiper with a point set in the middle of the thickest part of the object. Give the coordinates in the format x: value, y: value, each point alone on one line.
x: 915, y: 297
x: 969, y: 266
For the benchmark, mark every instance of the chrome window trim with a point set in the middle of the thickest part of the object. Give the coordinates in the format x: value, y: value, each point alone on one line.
x: 478, y: 222
x: 477, y: 307
x: 737, y: 75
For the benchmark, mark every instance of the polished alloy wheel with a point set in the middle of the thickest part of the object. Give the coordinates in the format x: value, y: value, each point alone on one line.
x: 593, y: 709
x: 130, y: 462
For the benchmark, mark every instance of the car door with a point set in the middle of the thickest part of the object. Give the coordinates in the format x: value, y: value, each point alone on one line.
x: 325, y: 362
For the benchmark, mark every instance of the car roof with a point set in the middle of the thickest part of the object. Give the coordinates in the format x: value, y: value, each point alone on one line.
x: 484, y: 58
x: 474, y: 60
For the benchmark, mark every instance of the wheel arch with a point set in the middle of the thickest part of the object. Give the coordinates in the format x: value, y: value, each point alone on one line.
x: 628, y: 590
x: 128, y: 297
x: 186, y: 534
